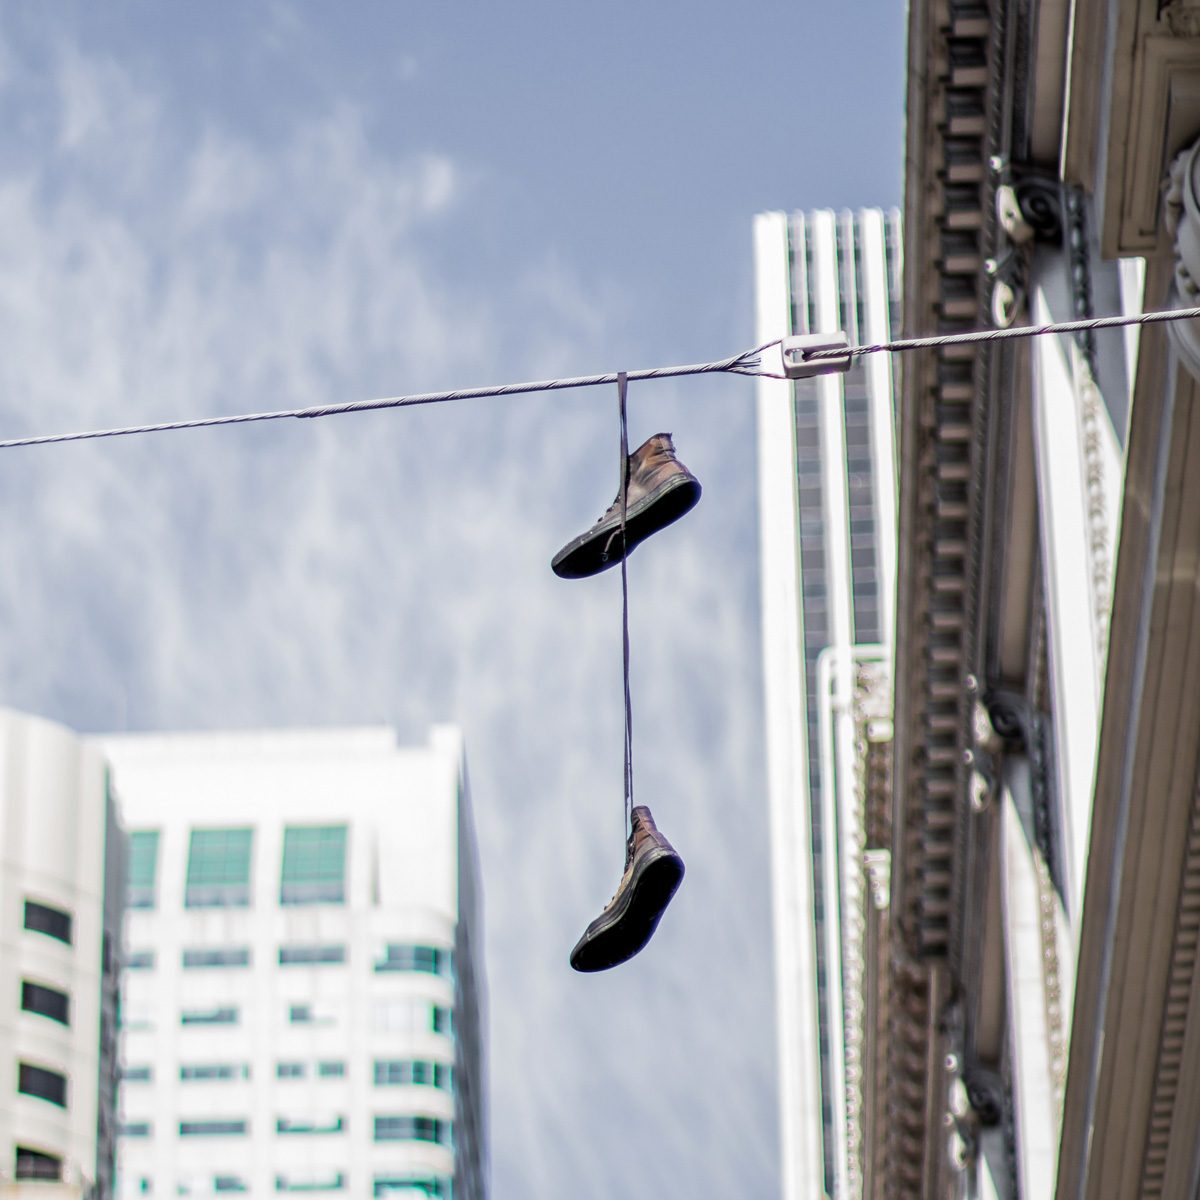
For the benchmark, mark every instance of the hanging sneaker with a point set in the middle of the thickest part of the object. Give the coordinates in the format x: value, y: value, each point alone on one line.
x: 660, y: 489
x: 652, y: 873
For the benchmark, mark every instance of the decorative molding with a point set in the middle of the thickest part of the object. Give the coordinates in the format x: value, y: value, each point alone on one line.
x: 1079, y: 255
x: 1182, y: 18
x: 1168, y: 1074
x: 1160, y: 74
x: 1181, y: 217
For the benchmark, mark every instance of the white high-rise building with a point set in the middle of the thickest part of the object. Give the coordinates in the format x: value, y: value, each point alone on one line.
x: 827, y: 493
x: 61, y: 885
x: 302, y: 1006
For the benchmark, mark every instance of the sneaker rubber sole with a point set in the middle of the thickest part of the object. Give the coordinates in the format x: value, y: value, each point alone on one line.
x: 586, y: 555
x: 616, y: 936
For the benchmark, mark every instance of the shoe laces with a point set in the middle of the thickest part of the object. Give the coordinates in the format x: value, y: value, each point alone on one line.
x: 628, y: 860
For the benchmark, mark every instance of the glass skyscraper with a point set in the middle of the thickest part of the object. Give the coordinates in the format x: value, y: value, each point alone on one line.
x: 827, y: 490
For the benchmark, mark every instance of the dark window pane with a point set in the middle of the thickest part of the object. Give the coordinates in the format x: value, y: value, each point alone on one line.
x: 140, y: 960
x: 218, y: 874
x: 314, y: 865
x: 414, y: 958
x: 334, y: 1181
x: 203, y: 1071
x: 411, y: 1129
x: 53, y: 922
x: 298, y: 955
x: 46, y: 1002
x: 307, y: 1125
x: 137, y: 1075
x: 435, y: 1187
x: 42, y: 1083
x: 403, y: 1072
x: 209, y: 1016
x: 226, y: 956
x: 211, y: 1128
x: 143, y: 868
x: 34, y: 1164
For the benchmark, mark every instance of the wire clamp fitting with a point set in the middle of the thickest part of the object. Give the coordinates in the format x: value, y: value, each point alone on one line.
x: 796, y: 351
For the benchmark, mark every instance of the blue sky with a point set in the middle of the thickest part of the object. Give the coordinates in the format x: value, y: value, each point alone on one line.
x: 211, y: 208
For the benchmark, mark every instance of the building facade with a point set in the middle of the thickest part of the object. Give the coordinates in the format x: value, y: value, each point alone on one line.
x: 828, y: 535
x: 302, y: 1007
x: 61, y: 896
x: 1029, y: 1011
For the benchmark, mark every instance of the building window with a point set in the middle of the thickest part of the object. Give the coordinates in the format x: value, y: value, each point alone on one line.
x: 407, y: 1072
x: 209, y: 1016
x: 44, y: 918
x: 412, y: 1129
x: 46, y: 1002
x: 211, y: 1128
x: 314, y: 865
x: 229, y: 1183
x: 331, y: 1070
x: 299, y: 955
x: 440, y: 1019
x: 137, y: 1074
x: 140, y: 960
x: 42, y: 1083
x: 398, y: 957
x: 143, y: 868
x: 34, y: 1164
x: 333, y: 1124
x: 218, y: 872
x: 199, y: 1072
x: 289, y: 1070
x: 325, y: 1181
x: 134, y: 1129
x: 222, y: 956
x: 311, y: 1014
x: 411, y: 1186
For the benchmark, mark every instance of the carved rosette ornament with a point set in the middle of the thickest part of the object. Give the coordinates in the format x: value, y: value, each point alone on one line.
x: 1181, y: 17
x: 1181, y: 215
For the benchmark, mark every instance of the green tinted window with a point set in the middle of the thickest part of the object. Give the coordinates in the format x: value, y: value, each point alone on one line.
x: 143, y: 867
x: 314, y: 865
x: 218, y: 874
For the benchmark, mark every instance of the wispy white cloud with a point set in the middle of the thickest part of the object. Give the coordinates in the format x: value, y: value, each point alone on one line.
x: 396, y: 567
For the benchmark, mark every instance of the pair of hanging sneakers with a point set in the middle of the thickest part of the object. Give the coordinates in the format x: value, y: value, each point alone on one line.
x: 659, y: 489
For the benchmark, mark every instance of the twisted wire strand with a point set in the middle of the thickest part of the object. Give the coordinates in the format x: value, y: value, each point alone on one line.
x: 746, y: 363
x: 749, y: 362
x: 1000, y: 335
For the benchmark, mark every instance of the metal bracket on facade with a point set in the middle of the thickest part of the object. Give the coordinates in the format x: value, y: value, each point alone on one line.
x: 796, y: 349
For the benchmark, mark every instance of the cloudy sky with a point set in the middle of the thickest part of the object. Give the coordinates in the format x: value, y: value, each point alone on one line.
x: 209, y: 208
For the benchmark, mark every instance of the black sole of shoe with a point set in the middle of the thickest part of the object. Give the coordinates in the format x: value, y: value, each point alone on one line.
x: 591, y: 552
x: 617, y: 936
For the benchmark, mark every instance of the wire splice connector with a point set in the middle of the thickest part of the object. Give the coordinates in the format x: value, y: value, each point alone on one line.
x: 797, y: 364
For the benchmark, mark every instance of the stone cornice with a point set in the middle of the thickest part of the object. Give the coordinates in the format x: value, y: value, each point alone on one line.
x: 945, y: 217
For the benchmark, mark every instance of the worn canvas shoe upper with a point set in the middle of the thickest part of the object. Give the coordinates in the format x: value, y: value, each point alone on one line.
x: 652, y: 873
x: 660, y: 489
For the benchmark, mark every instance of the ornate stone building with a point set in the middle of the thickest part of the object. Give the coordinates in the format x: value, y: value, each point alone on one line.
x: 1018, y: 861
x: 1036, y: 1017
